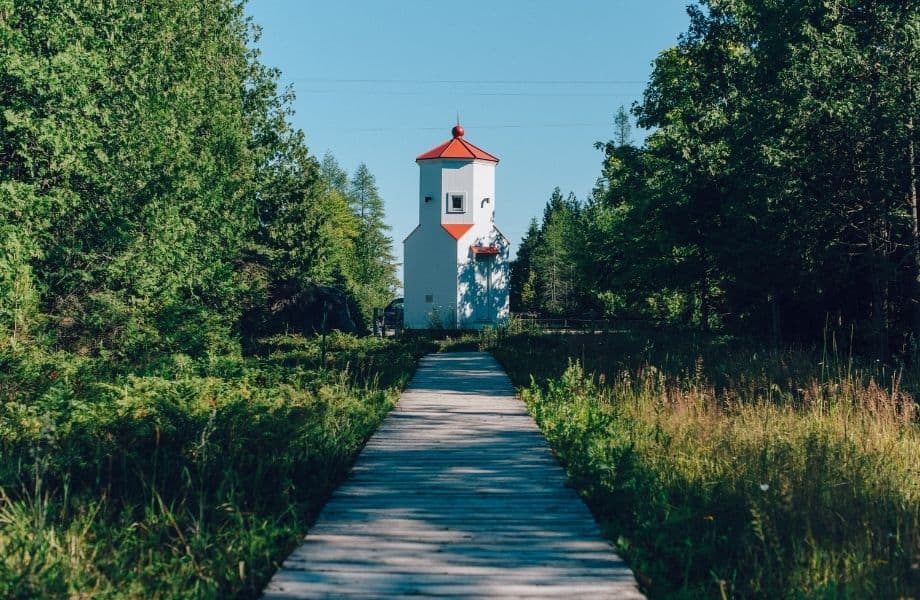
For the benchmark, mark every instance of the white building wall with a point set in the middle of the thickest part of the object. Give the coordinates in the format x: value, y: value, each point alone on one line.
x: 430, y: 269
x: 482, y: 286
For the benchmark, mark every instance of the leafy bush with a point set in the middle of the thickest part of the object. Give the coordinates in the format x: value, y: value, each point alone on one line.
x: 195, y: 484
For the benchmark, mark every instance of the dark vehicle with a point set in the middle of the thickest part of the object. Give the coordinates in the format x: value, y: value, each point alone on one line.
x: 393, y: 314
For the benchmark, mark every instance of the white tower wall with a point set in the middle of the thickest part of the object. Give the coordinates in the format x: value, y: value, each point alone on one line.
x: 429, y: 212
x: 483, y: 188
x: 457, y: 178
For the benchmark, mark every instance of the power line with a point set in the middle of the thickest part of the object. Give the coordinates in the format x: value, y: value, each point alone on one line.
x: 513, y: 94
x: 477, y: 127
x: 478, y: 81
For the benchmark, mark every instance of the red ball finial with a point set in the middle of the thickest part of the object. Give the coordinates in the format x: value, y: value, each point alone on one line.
x: 457, y: 131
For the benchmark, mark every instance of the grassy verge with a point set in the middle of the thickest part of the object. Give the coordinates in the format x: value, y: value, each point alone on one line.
x: 722, y: 470
x: 193, y: 479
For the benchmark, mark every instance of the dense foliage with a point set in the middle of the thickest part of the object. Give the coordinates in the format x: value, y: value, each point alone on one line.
x: 195, y: 482
x: 777, y: 191
x: 721, y: 469
x: 155, y: 207
x: 151, y: 185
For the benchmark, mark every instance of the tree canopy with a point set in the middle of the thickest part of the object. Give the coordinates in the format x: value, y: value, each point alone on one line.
x: 152, y: 188
x: 776, y: 193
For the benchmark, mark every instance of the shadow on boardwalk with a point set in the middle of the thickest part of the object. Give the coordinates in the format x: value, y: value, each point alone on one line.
x: 458, y: 495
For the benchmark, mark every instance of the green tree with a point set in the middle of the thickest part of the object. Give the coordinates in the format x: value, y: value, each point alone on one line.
x: 522, y: 284
x: 374, y: 267
x: 309, y: 232
x: 778, y: 186
x: 622, y: 128
x: 334, y: 175
x: 545, y: 275
x: 123, y: 139
x: 152, y: 188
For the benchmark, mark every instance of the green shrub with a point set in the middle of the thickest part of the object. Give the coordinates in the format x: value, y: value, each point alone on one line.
x: 190, y: 484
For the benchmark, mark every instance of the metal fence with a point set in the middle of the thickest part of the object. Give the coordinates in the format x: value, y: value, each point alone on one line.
x: 582, y: 324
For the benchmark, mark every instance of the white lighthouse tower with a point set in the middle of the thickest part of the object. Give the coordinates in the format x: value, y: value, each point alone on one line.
x: 456, y: 260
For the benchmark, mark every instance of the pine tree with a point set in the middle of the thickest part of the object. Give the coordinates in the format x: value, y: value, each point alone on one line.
x: 622, y: 132
x: 522, y: 286
x: 334, y: 175
x: 374, y: 267
x: 309, y: 231
x: 545, y: 276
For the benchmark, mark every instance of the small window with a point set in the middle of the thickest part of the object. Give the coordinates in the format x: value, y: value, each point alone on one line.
x: 429, y: 298
x: 456, y: 203
x: 427, y: 199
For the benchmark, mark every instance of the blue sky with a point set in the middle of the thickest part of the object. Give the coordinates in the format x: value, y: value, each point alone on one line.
x: 536, y: 82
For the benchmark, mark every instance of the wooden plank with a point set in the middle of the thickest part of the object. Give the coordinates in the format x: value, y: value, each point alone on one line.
x: 416, y: 552
x: 355, y: 540
x: 455, y: 495
x: 539, y: 576
x: 524, y: 533
x: 295, y: 583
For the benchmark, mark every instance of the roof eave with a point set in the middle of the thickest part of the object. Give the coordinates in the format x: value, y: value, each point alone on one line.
x: 470, y: 159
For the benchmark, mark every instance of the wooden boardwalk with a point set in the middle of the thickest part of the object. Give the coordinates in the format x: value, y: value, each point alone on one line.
x: 456, y: 495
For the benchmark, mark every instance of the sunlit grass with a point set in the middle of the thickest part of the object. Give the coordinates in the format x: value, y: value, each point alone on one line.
x: 189, y: 484
x: 724, y: 470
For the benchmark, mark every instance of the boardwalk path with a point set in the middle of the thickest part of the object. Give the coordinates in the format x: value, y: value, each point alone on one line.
x: 457, y: 494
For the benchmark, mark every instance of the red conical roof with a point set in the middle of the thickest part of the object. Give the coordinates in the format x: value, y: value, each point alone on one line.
x: 457, y: 148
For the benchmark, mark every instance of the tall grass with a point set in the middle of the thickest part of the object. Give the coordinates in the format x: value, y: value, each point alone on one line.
x: 192, y: 480
x: 724, y: 470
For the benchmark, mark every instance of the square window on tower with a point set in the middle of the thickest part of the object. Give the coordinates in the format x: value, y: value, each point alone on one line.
x: 456, y: 203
